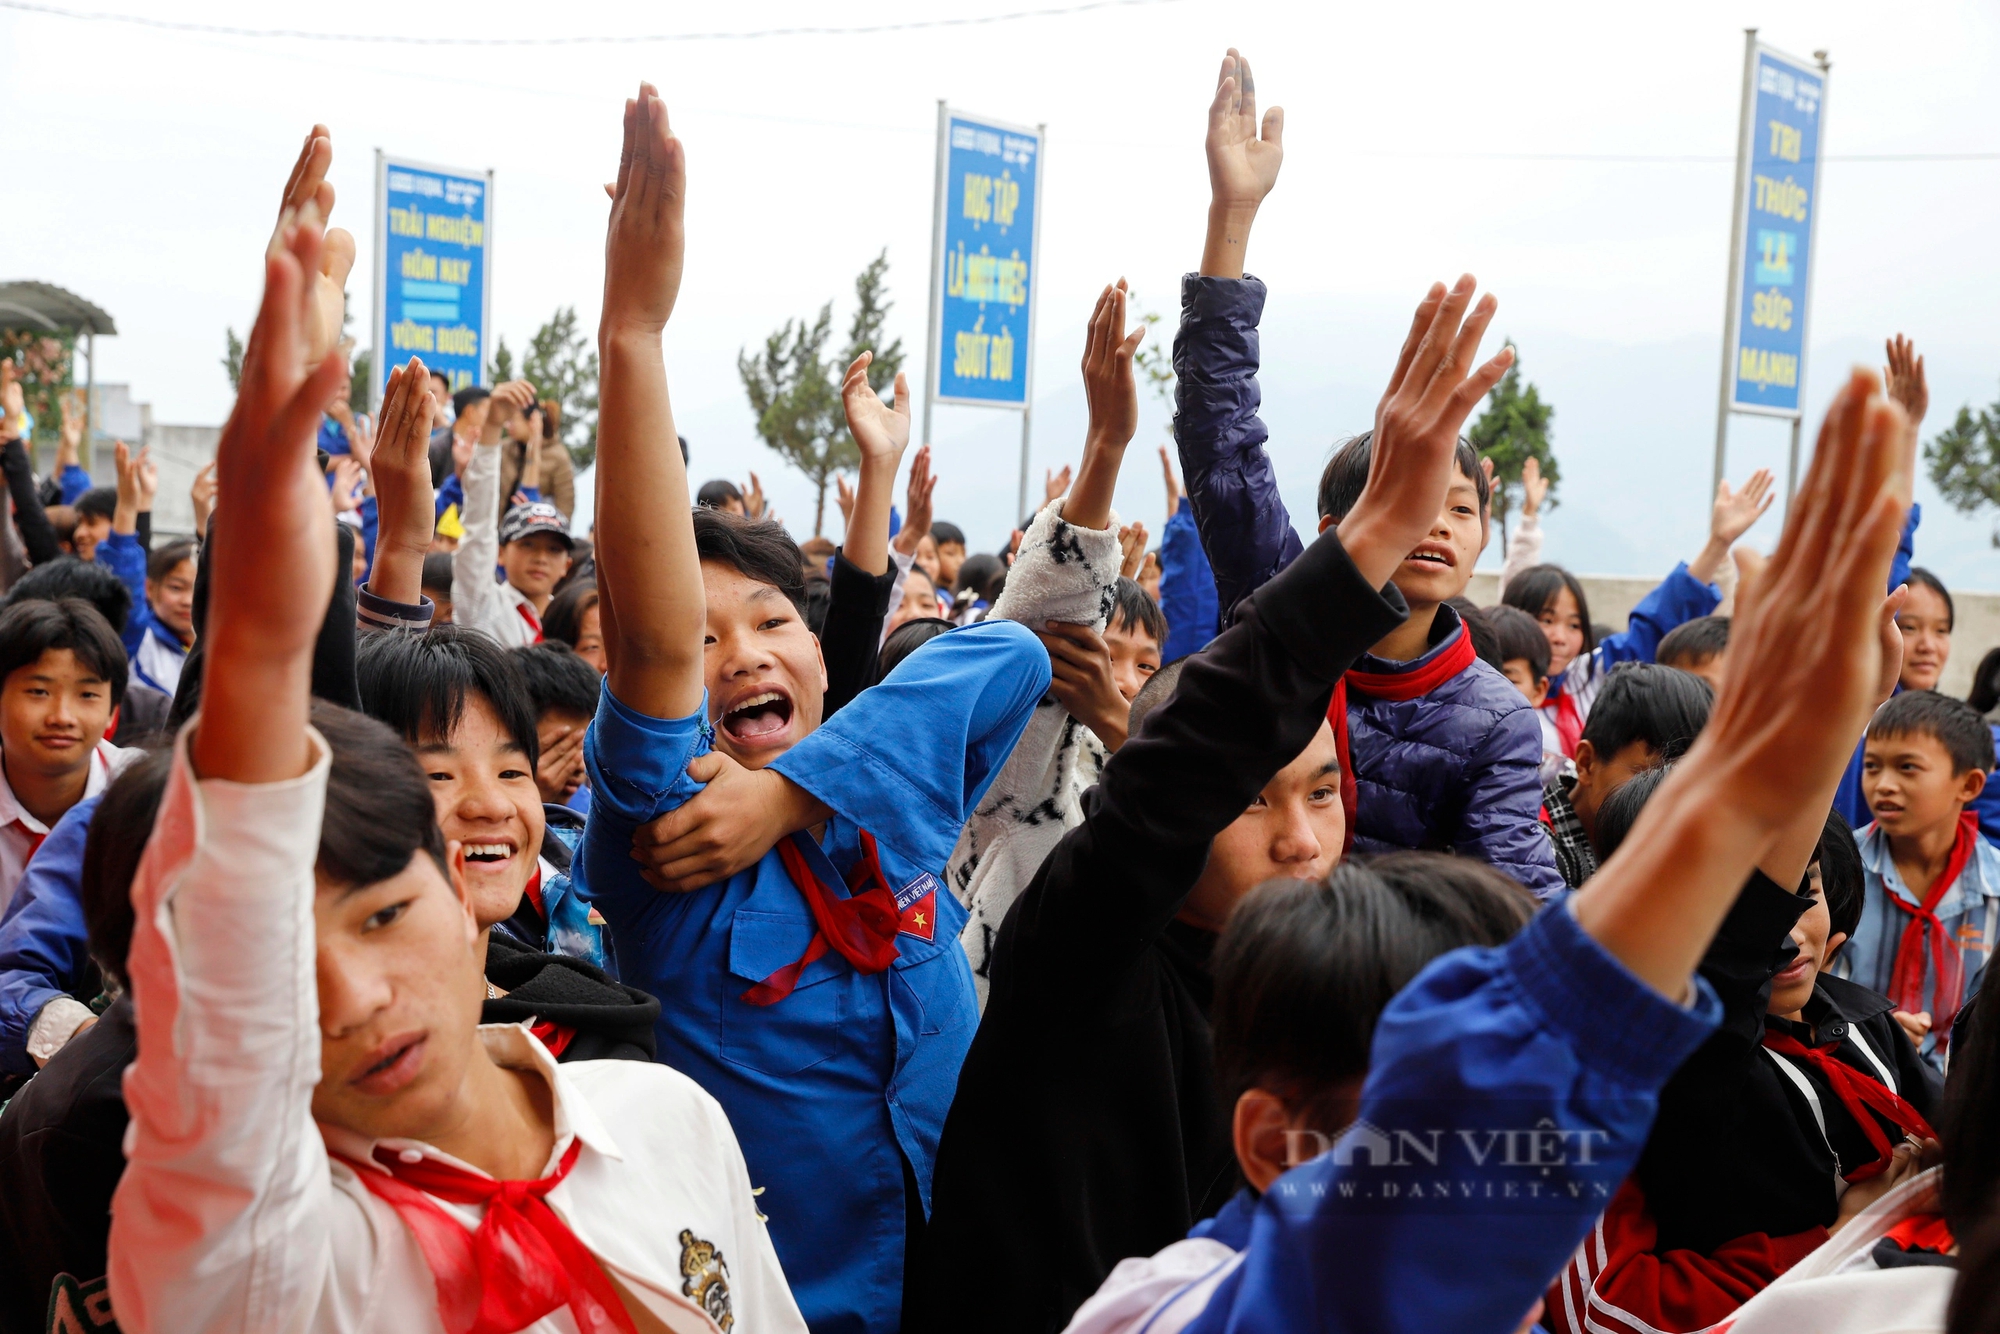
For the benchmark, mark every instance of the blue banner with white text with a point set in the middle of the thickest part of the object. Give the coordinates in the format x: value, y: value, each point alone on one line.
x: 991, y: 174
x: 437, y: 238
x: 1777, y: 235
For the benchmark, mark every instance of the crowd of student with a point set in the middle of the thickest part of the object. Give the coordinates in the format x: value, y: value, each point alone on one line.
x: 691, y: 929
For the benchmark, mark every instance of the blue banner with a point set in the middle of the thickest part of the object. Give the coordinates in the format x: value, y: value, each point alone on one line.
x: 435, y: 231
x: 1777, y: 235
x: 988, y: 241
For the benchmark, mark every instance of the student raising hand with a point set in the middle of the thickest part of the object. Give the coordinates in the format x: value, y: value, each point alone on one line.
x: 1242, y: 165
x: 138, y: 484
x: 648, y: 573
x: 879, y: 429
x: 326, y: 281
x: 402, y: 473
x: 1431, y: 392
x: 881, y: 432
x: 1904, y: 380
x: 917, y: 495
x: 646, y: 246
x: 201, y: 496
x: 1534, y: 487
x: 1132, y: 543
x: 277, y: 537
x: 1735, y: 513
x: 1112, y: 393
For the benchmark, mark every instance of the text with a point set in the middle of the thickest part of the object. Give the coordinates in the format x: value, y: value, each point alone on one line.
x: 982, y: 356
x: 1786, y: 198
x: 991, y: 199
x: 1764, y: 368
x: 1771, y: 310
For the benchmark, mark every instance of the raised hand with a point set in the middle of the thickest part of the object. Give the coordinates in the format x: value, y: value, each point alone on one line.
x: 1433, y: 389
x: 147, y: 473
x: 308, y: 185
x: 1243, y: 162
x: 1054, y: 483
x: 1243, y: 156
x: 12, y: 402
x: 880, y: 430
x: 276, y: 544
x: 401, y: 468
x: 70, y: 444
x: 527, y: 428
x: 916, y: 503
x: 1108, y: 384
x: 138, y: 484
x: 843, y: 496
x: 202, y: 497
x: 1132, y: 548
x: 1904, y: 376
x: 1534, y: 488
x: 1113, y: 395
x: 506, y: 404
x: 1736, y: 511
x: 307, y: 182
x: 645, y: 248
x: 1173, y: 483
x: 754, y: 504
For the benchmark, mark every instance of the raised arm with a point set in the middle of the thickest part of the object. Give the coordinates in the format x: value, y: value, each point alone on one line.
x: 1524, y: 545
x: 37, y: 536
x: 277, y: 539
x: 1187, y: 584
x: 1245, y: 528
x: 221, y: 1093
x: 850, y: 638
x: 1732, y: 516
x: 1070, y: 562
x: 71, y: 479
x: 121, y: 549
x: 201, y: 498
x: 138, y: 484
x: 476, y: 602
x: 649, y: 576
x: 1903, y: 377
x: 1242, y: 166
x: 881, y: 432
x: 401, y: 468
